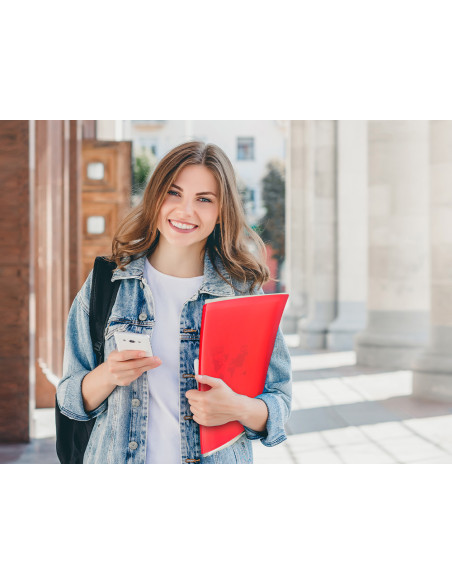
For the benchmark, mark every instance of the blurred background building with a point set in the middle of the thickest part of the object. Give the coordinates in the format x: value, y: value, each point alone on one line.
x: 250, y: 145
x: 356, y: 216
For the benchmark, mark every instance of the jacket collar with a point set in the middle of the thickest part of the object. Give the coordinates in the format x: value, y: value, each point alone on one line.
x: 211, y: 284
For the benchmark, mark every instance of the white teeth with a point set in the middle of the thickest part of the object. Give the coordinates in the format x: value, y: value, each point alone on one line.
x: 182, y: 225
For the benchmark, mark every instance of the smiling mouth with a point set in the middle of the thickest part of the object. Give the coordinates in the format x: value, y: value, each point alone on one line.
x: 188, y: 228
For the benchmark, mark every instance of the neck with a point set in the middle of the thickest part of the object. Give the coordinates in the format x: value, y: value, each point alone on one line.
x: 178, y: 262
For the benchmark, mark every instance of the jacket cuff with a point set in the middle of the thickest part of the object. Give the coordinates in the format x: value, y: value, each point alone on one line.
x: 71, y: 404
x: 274, y: 432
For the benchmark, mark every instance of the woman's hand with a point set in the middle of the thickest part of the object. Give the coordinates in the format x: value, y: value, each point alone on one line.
x: 216, y: 406
x: 123, y: 367
x: 120, y: 368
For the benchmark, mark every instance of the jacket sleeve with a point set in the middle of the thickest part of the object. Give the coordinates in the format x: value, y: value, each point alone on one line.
x: 277, y: 394
x: 79, y: 359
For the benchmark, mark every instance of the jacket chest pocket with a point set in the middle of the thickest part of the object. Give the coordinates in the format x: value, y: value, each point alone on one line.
x: 115, y: 324
x: 113, y: 328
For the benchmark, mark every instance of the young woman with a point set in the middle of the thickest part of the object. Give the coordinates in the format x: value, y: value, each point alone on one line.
x: 187, y: 241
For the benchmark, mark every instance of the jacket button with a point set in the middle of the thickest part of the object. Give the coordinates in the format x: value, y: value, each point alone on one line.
x: 143, y: 316
x: 135, y: 403
x: 133, y: 445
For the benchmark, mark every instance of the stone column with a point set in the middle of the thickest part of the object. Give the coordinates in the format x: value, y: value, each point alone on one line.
x: 398, y: 294
x: 352, y: 235
x: 432, y: 375
x: 319, y: 237
x: 299, y: 183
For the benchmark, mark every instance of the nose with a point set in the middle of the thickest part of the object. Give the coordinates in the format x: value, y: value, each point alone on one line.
x: 187, y: 207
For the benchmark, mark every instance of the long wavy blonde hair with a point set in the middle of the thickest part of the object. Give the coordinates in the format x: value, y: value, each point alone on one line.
x: 137, y: 234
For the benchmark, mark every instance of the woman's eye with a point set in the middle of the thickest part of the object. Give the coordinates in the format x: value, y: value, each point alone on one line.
x: 200, y: 199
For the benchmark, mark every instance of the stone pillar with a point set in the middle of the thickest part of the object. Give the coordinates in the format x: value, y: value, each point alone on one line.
x: 319, y: 237
x: 352, y: 235
x: 399, y: 294
x: 299, y: 183
x: 432, y: 375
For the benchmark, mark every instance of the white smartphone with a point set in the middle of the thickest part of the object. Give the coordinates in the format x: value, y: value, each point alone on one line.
x: 133, y: 342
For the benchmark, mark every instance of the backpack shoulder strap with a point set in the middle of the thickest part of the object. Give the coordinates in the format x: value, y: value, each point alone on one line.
x: 103, y: 296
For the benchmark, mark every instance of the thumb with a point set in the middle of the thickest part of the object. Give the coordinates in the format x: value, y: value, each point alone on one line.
x: 212, y: 381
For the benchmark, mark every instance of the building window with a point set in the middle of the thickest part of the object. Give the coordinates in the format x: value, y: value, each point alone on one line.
x: 95, y: 225
x: 95, y: 170
x: 245, y: 148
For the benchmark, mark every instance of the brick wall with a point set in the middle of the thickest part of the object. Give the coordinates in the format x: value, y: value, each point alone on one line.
x: 15, y: 281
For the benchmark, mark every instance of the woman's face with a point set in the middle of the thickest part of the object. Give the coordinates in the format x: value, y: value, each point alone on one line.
x: 190, y: 209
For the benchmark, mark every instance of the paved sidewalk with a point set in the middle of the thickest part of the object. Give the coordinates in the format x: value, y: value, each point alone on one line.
x: 341, y: 413
x: 41, y: 448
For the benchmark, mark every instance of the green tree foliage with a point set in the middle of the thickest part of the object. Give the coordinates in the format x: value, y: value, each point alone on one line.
x: 144, y: 162
x: 142, y: 169
x: 272, y: 225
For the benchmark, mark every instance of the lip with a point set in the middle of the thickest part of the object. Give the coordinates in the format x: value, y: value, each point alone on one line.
x: 182, y: 230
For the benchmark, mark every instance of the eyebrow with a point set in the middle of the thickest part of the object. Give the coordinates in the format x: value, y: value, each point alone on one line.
x: 204, y: 193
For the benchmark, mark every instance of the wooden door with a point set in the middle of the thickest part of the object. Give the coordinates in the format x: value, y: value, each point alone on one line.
x: 106, y: 189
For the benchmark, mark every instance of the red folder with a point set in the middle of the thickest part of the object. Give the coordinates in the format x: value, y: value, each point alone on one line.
x: 236, y: 343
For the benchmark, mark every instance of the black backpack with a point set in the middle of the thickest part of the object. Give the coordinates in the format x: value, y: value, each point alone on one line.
x: 72, y: 435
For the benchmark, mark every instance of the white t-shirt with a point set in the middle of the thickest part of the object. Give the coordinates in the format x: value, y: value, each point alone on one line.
x: 169, y: 294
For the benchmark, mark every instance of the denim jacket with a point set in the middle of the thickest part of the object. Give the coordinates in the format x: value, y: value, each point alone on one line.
x: 119, y: 432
